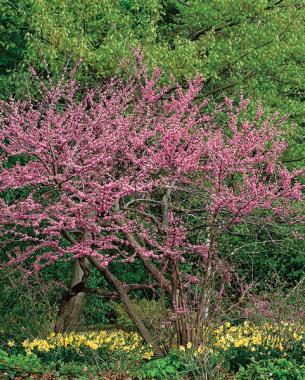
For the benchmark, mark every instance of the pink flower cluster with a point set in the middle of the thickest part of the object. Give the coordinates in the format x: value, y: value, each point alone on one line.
x: 93, y: 164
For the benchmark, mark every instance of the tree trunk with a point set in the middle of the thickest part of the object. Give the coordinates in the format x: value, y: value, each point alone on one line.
x: 116, y: 283
x: 72, y: 301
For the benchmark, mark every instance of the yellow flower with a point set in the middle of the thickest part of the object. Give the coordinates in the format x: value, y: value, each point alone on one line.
x: 93, y: 345
x: 148, y: 355
x: 189, y: 345
x: 182, y: 348
x: 281, y: 348
x: 11, y: 343
x: 297, y: 337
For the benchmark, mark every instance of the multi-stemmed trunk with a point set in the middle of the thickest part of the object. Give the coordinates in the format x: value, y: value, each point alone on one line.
x: 76, y: 293
x: 72, y: 304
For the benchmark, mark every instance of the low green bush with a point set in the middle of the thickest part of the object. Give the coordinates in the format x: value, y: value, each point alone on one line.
x: 276, y: 369
x: 169, y: 367
x: 22, y: 365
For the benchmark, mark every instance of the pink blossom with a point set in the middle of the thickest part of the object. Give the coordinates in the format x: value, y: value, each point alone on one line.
x: 127, y: 143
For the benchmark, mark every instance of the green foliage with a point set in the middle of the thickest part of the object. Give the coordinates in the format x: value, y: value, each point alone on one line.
x: 169, y: 367
x: 151, y: 312
x: 182, y: 365
x: 240, y: 356
x: 76, y: 371
x: 96, y: 312
x: 23, y: 366
x: 20, y: 365
x: 28, y: 305
x: 12, y: 46
x: 265, y: 252
x: 257, y: 47
x: 277, y: 369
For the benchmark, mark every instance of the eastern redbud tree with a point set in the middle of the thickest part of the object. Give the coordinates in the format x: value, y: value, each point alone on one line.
x: 138, y: 171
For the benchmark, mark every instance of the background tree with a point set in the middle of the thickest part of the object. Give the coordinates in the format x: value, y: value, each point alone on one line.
x: 256, y: 47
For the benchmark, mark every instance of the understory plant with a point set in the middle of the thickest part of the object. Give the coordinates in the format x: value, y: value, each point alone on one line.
x: 136, y: 171
x: 277, y: 369
x: 243, y: 349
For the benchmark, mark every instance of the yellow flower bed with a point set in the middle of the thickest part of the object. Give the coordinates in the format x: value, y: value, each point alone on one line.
x: 110, y: 340
x: 280, y: 336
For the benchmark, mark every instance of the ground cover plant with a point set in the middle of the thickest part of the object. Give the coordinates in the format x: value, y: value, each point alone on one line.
x: 243, y: 348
